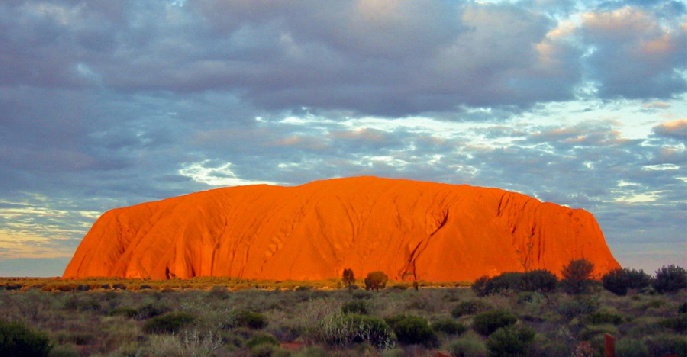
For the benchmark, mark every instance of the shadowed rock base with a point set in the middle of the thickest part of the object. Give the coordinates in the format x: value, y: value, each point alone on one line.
x: 407, y: 229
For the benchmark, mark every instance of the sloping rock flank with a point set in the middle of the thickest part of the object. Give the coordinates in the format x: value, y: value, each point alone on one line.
x: 408, y: 229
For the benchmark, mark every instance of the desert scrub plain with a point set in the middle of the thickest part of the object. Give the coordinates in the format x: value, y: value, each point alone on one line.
x: 230, y: 317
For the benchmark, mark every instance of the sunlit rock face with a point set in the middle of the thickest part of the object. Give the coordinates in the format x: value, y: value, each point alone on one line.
x: 410, y: 230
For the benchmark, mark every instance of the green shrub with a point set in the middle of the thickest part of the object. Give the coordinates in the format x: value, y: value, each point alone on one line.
x: 449, y: 327
x: 376, y: 280
x: 486, y: 323
x: 666, y: 345
x: 589, y: 332
x: 578, y: 306
x: 64, y: 351
x: 481, y: 286
x: 604, y: 317
x: 149, y: 311
x: 413, y: 330
x: 670, y: 279
x: 468, y: 346
x: 637, y: 279
x: 677, y: 324
x: 341, y: 330
x: 170, y: 322
x: 503, y: 282
x: 542, y: 281
x: 219, y: 292
x: 17, y: 339
x: 246, y: 318
x: 266, y: 350
x: 124, y: 311
x: 628, y: 347
x: 77, y: 303
x: 469, y: 307
x: 262, y: 339
x: 530, y: 297
x: 355, y: 307
x: 555, y: 343
x: 616, y: 281
x: 619, y: 281
x: 511, y: 341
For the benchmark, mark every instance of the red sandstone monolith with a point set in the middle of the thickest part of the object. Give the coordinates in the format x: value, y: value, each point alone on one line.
x: 407, y: 229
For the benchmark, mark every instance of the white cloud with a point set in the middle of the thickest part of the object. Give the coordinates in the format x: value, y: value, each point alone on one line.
x: 214, y: 173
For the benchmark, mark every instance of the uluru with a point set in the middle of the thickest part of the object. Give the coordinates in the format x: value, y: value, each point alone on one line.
x: 410, y: 230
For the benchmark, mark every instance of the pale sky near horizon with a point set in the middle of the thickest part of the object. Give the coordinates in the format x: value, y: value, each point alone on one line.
x: 110, y: 103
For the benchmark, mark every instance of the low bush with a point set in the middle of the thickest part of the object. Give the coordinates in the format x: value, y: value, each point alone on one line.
x: 616, y: 281
x: 530, y: 297
x: 637, y: 279
x: 449, y: 327
x: 481, y: 286
x: 677, y: 324
x: 413, y: 330
x: 682, y: 309
x: 261, y: 339
x: 341, y: 330
x: 246, y: 318
x: 124, y: 311
x: 589, y: 332
x: 468, y: 346
x: 579, y: 305
x: 486, y: 323
x: 667, y: 345
x: 376, y: 280
x: 149, y: 311
x: 18, y: 340
x: 355, y: 307
x: 511, y: 341
x: 670, y: 279
x: 170, y: 322
x: 64, y: 351
x: 469, y: 307
x: 620, y: 280
x: 542, y: 281
x: 219, y: 292
x: 604, y: 317
x: 76, y: 303
x: 629, y: 347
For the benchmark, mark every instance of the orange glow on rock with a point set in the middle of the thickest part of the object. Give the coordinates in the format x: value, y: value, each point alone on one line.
x: 407, y: 229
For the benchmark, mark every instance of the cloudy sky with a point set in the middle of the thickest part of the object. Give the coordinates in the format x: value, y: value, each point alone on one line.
x: 109, y: 103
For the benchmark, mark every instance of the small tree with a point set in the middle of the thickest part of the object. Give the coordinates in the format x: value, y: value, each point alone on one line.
x: 348, y: 278
x: 376, y: 280
x: 577, y: 276
x: 670, y: 279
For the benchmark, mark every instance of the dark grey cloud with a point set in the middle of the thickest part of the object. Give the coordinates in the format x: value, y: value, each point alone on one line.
x: 634, y: 55
x: 110, y: 103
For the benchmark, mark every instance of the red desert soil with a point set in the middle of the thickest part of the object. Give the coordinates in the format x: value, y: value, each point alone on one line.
x: 407, y: 229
